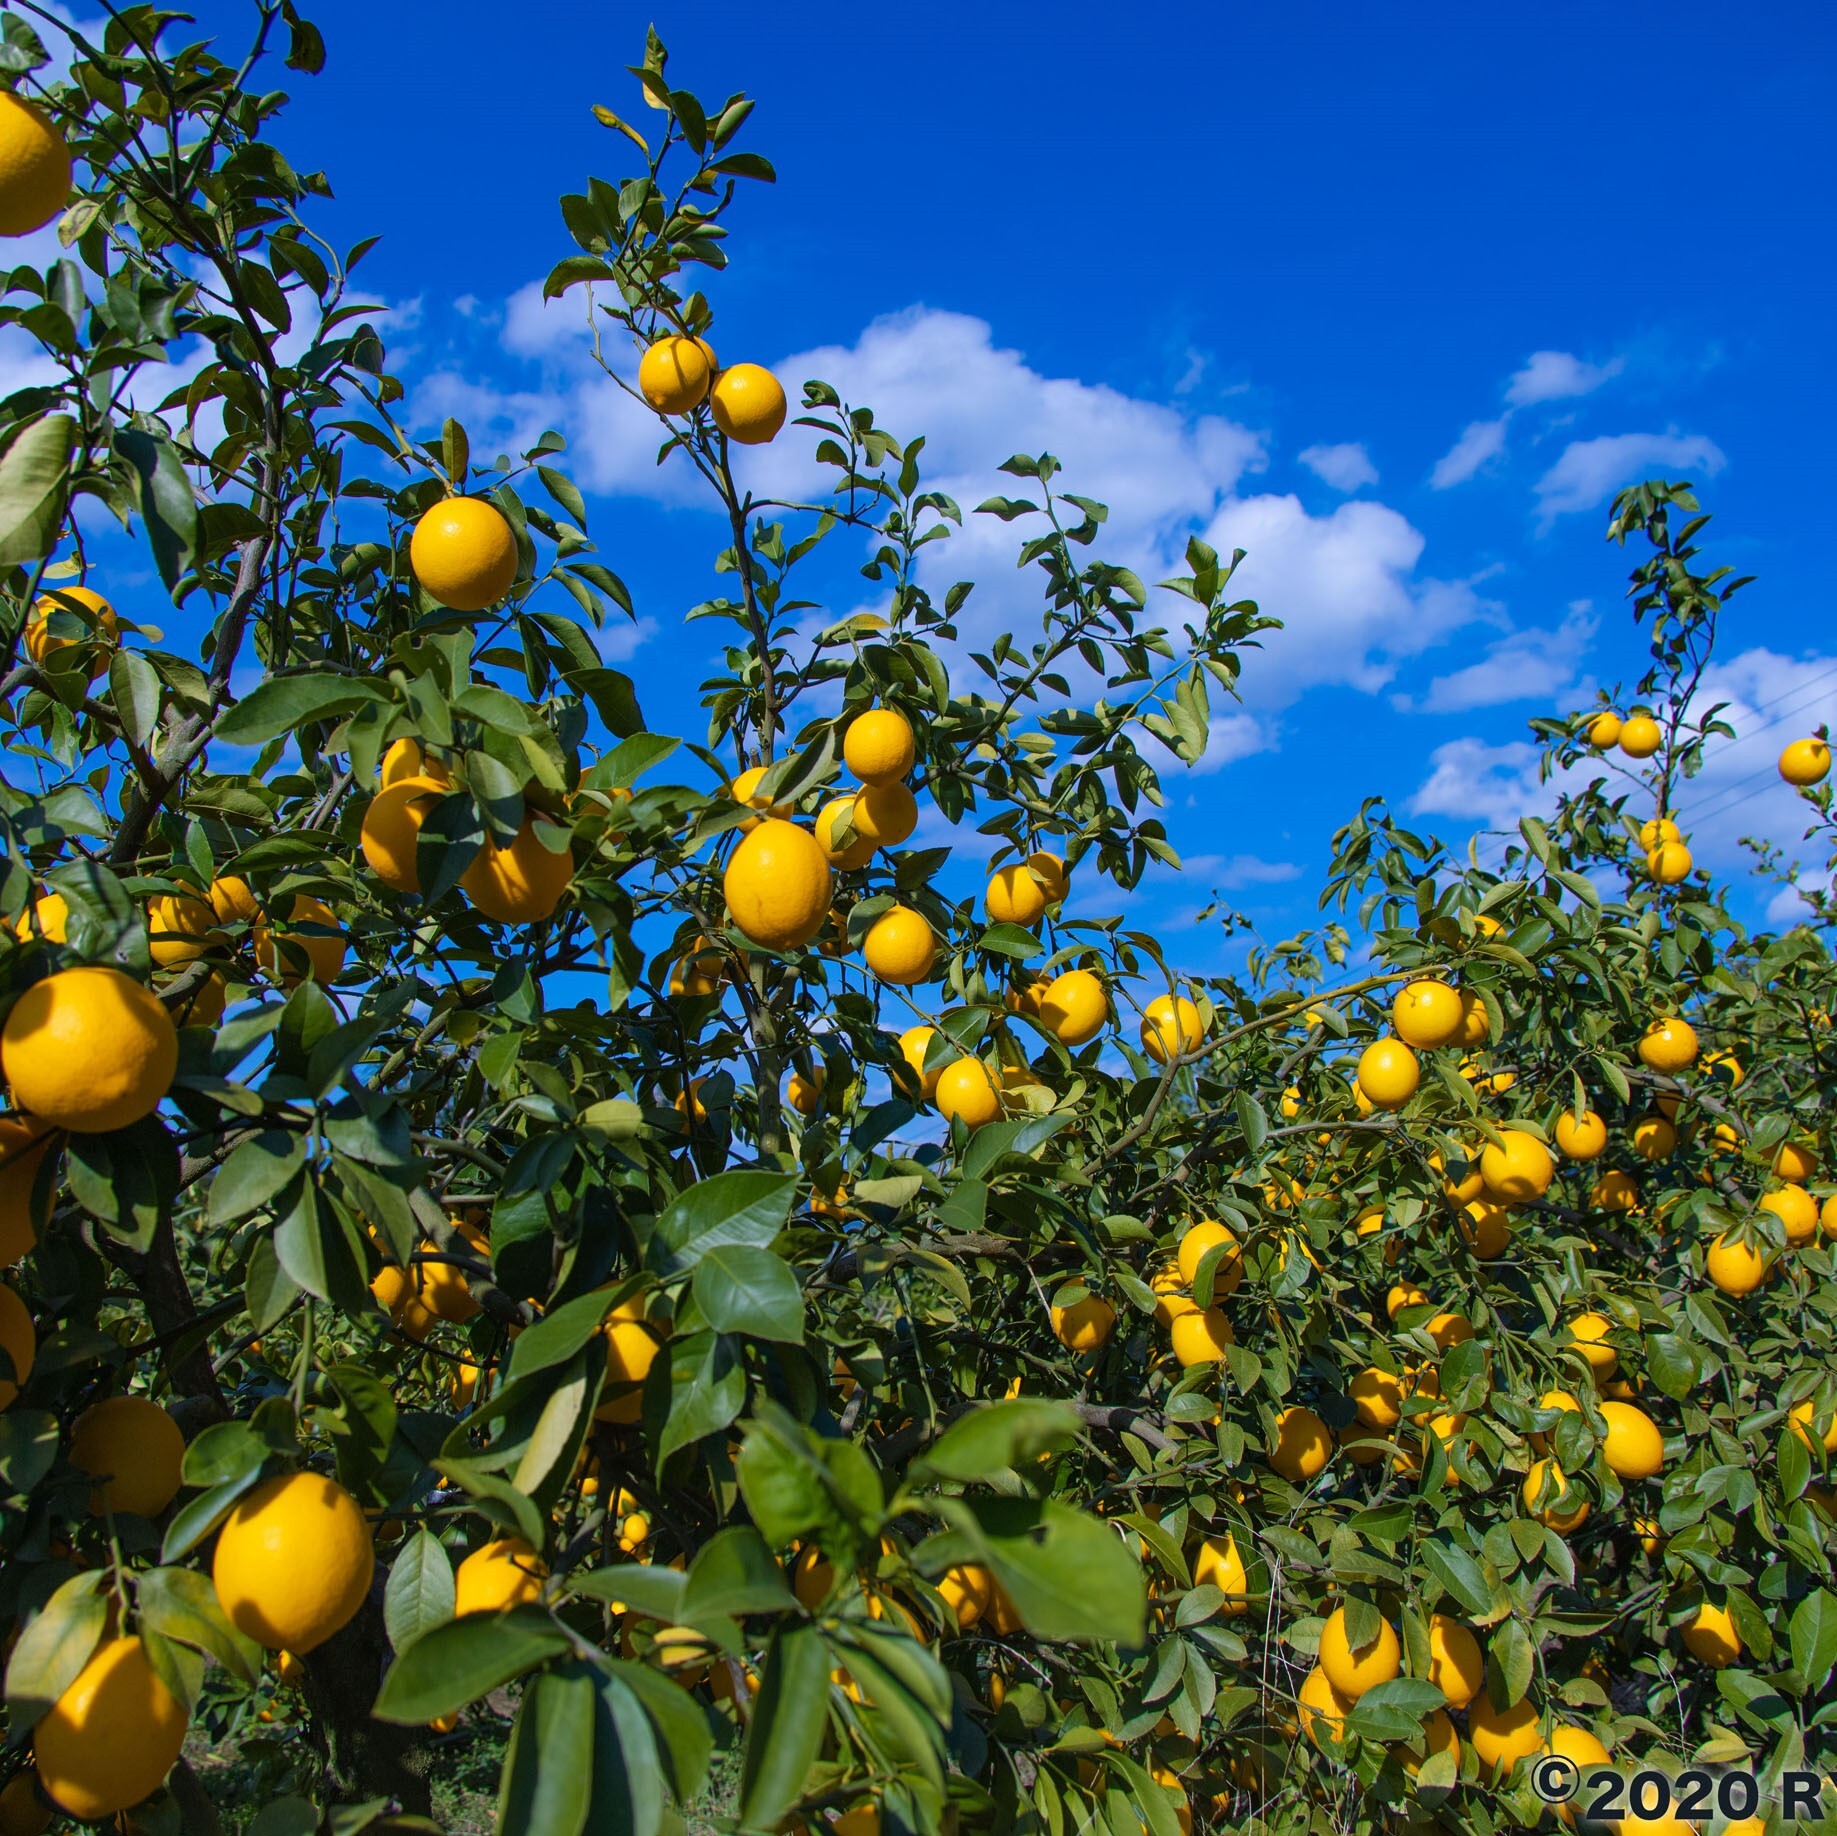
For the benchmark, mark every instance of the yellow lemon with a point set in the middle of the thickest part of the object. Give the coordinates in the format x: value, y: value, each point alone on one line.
x: 778, y: 886
x: 464, y: 553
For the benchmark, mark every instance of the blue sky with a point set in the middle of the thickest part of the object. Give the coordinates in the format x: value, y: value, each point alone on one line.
x: 1393, y: 298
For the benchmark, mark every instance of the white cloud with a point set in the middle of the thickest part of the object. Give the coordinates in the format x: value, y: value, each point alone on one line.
x: 1346, y: 588
x: 1345, y: 467
x: 1554, y: 376
x: 1231, y: 737
x: 1242, y: 870
x: 1481, y: 442
x: 1534, y: 665
x: 1589, y: 471
x: 1487, y: 786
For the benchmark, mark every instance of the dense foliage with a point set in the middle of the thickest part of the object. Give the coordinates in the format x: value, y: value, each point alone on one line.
x: 618, y: 1238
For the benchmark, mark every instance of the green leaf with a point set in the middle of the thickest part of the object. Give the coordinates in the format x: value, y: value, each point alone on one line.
x: 684, y: 1741
x: 283, y: 704
x: 743, y: 1208
x: 789, y: 1721
x: 1672, y: 1363
x: 55, y: 1646
x: 457, y: 1663
x: 548, y: 1781
x: 707, y: 1390
x: 166, y: 503
x: 1070, y: 1576
x: 420, y: 1593
x: 734, y: 1573
x: 627, y: 1779
x: 1001, y: 1435
x: 1024, y: 1136
x: 34, y: 483
x: 556, y: 1338
x: 1509, y: 1663
x: 181, y: 1604
x: 256, y: 1173
x: 1814, y: 1639
x: 28, y: 1449
x: 134, y: 685
x: 193, y: 1522
x: 645, y: 1588
x: 1460, y: 1574
x: 741, y: 1289
x: 1394, y: 1710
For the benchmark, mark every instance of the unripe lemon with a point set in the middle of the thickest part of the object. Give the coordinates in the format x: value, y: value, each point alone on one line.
x: 852, y: 854
x: 914, y: 1043
x: 521, y: 884
x: 22, y: 1149
x: 1604, y: 730
x: 504, y: 1573
x: 308, y: 944
x: 1427, y: 1015
x: 1456, y: 1665
x: 133, y: 1450
x: 110, y: 1739
x: 1217, y: 1564
x: 19, y: 1340
x: 1075, y: 1007
x: 1197, y: 1242
x: 1352, y: 1672
x: 1302, y: 1446
x: 1517, y: 1167
x: 1669, y: 863
x: 1388, y: 1073
x: 1634, y: 1448
x: 1669, y: 1044
x: 1171, y: 1028
x: 34, y: 167
x: 89, y: 1050
x: 293, y: 1562
x: 464, y: 553
x: 1640, y: 736
x: 965, y: 1091
x: 674, y: 373
x: 878, y: 747
x: 778, y: 886
x: 1502, y: 1737
x: 1201, y: 1338
x: 1710, y: 1635
x: 748, y: 403
x: 900, y: 947
x: 1797, y: 1210
x: 1322, y: 1711
x: 1805, y: 761
x: 885, y: 814
x: 1086, y: 1325
x: 179, y: 930
x: 392, y: 827
x: 1378, y: 1397
x: 1735, y: 1266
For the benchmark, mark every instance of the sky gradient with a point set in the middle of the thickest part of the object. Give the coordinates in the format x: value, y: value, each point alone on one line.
x: 1393, y: 299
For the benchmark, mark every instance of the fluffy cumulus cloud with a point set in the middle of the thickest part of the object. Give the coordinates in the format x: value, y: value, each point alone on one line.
x: 1590, y: 471
x: 1346, y: 466
x: 1346, y: 584
x: 1543, y: 664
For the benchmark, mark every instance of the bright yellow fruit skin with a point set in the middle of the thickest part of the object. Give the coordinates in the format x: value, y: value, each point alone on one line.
x: 34, y: 167
x: 110, y: 1739
x: 293, y: 1562
x: 778, y: 886
x: 464, y: 553
x: 89, y: 1050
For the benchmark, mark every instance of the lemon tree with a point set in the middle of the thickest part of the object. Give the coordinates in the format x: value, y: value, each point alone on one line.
x: 675, y: 1269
